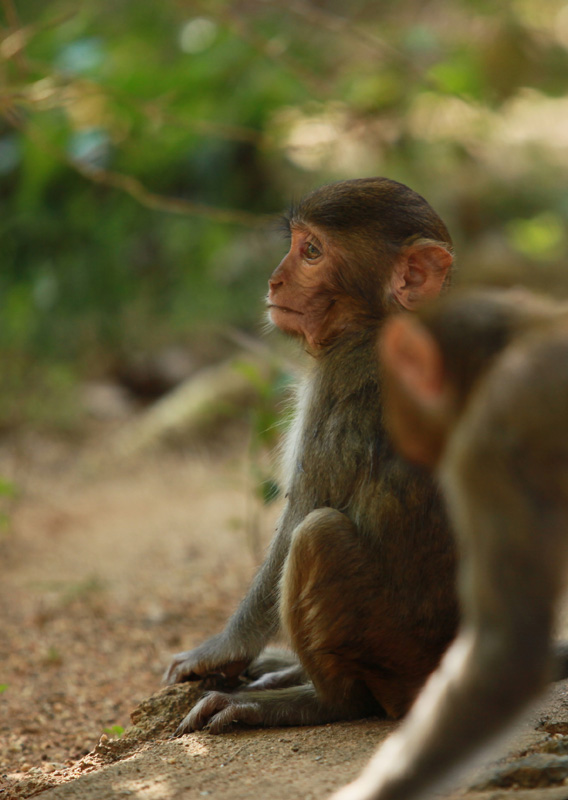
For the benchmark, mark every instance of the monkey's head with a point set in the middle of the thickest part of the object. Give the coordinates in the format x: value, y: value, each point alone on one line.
x: 359, y: 248
x: 433, y: 360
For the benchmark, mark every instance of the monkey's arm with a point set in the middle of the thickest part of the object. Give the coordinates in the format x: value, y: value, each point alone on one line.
x: 512, y: 524
x: 248, y: 630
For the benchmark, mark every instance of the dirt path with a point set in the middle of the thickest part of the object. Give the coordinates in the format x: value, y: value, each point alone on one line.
x: 103, y: 575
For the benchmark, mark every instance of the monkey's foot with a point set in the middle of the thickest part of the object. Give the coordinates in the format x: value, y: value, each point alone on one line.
x: 292, y: 705
x: 216, y: 712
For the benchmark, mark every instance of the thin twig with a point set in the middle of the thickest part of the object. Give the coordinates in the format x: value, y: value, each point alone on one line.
x: 239, y: 24
x: 15, y: 28
x: 154, y: 110
x: 235, y: 754
x: 158, y: 202
x: 138, y: 191
x: 334, y: 23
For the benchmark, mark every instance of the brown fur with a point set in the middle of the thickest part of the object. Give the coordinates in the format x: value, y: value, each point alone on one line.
x: 501, y: 384
x: 361, y: 570
x: 389, y: 552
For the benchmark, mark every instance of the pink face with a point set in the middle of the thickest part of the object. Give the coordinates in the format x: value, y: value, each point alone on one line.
x: 300, y: 300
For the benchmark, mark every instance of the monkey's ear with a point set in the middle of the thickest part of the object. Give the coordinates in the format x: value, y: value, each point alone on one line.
x: 419, y: 273
x: 411, y: 356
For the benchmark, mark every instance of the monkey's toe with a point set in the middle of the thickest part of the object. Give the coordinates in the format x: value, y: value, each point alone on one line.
x: 203, y: 712
x: 217, y: 712
x: 247, y: 713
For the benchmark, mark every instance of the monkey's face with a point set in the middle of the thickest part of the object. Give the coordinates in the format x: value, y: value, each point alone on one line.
x: 301, y: 301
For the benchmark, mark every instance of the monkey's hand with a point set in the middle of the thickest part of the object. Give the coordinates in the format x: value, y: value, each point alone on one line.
x: 216, y: 656
x: 216, y: 712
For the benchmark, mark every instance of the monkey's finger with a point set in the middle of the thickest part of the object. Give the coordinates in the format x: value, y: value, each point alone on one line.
x: 181, y: 676
x: 181, y: 669
x: 232, y: 669
x: 171, y: 672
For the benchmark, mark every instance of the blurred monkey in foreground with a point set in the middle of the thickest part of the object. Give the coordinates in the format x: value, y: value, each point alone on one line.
x: 477, y: 388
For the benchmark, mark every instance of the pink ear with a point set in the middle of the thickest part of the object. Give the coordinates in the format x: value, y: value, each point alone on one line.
x: 410, y: 353
x: 419, y: 273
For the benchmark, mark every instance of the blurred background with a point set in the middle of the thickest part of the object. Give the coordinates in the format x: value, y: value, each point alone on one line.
x: 146, y: 150
x: 146, y: 147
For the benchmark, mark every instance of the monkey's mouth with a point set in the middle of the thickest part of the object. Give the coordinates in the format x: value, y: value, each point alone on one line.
x: 273, y: 306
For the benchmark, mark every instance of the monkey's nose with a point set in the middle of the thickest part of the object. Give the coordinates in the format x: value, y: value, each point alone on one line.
x: 273, y: 287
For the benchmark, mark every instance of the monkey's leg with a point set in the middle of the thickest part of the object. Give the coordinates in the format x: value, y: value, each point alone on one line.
x: 309, y: 580
x: 273, y: 659
x: 275, y: 669
x: 346, y: 624
x: 360, y: 656
x: 289, y: 676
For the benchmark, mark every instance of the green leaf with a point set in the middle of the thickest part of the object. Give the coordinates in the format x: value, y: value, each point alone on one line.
x: 542, y: 237
x: 253, y: 374
x: 114, y: 730
x: 459, y: 75
x: 7, y: 489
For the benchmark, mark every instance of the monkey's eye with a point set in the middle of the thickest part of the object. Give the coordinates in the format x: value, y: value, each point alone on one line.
x: 311, y: 252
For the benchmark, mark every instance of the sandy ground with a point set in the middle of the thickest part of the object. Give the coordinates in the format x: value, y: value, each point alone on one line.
x: 104, y: 573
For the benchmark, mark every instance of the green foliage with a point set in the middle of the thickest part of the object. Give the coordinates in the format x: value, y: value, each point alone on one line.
x: 541, y: 237
x: 143, y: 145
x: 460, y: 76
x: 3, y: 687
x: 114, y: 730
x: 7, y: 489
x: 265, y: 424
x: 8, y: 494
x: 41, y: 392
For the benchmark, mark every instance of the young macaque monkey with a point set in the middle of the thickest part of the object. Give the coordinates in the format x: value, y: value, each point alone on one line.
x: 477, y: 388
x: 361, y: 572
